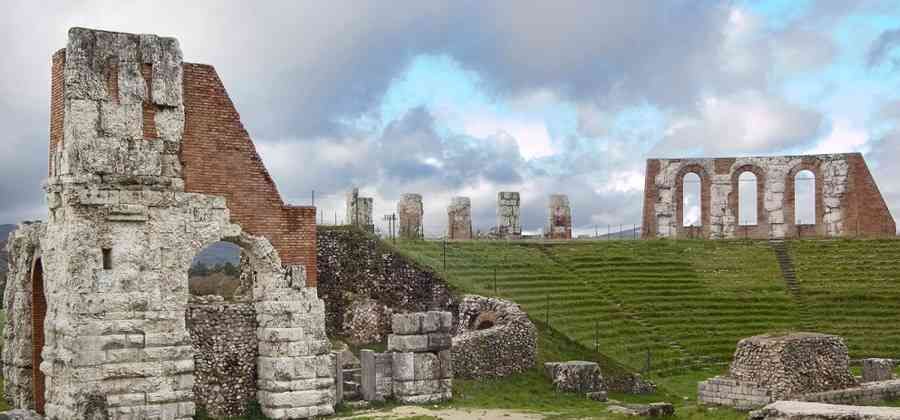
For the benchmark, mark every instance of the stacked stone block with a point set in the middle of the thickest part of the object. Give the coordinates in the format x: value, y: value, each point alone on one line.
x: 559, y: 223
x: 359, y: 211
x: 459, y: 215
x: 421, y: 357
x: 877, y: 370
x: 411, y: 210
x: 508, y: 224
x: 731, y: 392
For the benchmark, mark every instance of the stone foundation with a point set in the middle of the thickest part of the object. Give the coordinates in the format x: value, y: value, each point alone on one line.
x: 494, y: 338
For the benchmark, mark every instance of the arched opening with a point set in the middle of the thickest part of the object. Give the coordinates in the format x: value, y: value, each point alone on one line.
x: 215, y: 270
x: 692, y: 214
x: 805, y: 198
x: 747, y: 199
x: 222, y: 325
x: 38, y: 314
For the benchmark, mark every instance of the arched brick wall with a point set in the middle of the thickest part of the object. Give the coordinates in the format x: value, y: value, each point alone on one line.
x: 760, y: 229
x: 790, y: 206
x: 705, y: 187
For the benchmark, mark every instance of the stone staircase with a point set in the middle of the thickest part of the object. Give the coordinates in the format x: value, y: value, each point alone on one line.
x: 786, y: 264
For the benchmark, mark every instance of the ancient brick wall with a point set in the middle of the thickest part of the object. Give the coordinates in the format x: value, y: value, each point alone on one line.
x: 847, y: 200
x: 459, y: 218
x: 219, y: 158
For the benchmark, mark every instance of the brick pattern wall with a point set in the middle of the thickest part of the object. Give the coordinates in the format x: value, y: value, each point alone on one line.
x: 219, y: 158
x: 868, y: 213
x: 57, y: 107
x: 38, y: 314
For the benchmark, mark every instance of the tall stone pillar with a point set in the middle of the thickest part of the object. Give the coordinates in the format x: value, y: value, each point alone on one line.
x: 508, y: 225
x: 359, y: 211
x: 410, y: 210
x: 459, y: 215
x: 559, y: 223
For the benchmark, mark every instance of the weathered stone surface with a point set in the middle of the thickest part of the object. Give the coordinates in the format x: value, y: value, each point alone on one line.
x: 459, y: 215
x: 223, y: 338
x: 494, y: 338
x: 359, y: 211
x: 356, y: 267
x: 877, y: 370
x: 559, y: 220
x: 575, y: 376
x: 366, y: 321
x: 508, y: 224
x: 630, y: 383
x: 796, y: 410
x: 410, y: 211
x: 20, y: 414
x: 661, y: 409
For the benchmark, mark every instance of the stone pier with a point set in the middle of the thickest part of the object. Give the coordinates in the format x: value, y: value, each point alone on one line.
x: 410, y: 211
x: 508, y: 225
x: 459, y: 214
x: 559, y: 223
x: 359, y: 211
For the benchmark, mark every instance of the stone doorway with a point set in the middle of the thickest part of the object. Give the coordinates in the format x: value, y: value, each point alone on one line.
x: 38, y: 314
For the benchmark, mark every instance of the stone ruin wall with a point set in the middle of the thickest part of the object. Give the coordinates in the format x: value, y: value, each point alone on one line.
x: 359, y: 211
x: 508, y: 223
x: 113, y: 258
x: 559, y: 223
x: 848, y: 202
x: 223, y: 337
x: 493, y: 339
x: 410, y: 211
x: 459, y: 215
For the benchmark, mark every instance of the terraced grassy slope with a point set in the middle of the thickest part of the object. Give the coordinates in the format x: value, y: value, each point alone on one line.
x: 685, y: 302
x: 852, y: 288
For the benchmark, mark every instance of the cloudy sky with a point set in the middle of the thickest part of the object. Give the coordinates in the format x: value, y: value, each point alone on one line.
x: 474, y: 97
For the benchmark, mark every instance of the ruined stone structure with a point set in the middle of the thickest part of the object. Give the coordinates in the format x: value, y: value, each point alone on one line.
x: 494, y: 338
x: 410, y: 211
x: 770, y: 368
x: 459, y: 215
x: 508, y: 225
x: 847, y: 200
x: 559, y: 223
x: 143, y: 153
x: 359, y: 211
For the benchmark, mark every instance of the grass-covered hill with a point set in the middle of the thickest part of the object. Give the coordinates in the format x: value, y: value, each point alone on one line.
x: 675, y: 306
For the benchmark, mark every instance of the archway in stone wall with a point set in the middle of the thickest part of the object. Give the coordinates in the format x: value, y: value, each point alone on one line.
x: 38, y: 315
x: 215, y: 270
x: 692, y: 213
x: 747, y: 199
x: 804, y: 198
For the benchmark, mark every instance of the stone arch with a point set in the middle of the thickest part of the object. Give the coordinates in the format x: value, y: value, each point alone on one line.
x: 38, y: 316
x: 760, y: 229
x: 705, y: 186
x: 813, y: 165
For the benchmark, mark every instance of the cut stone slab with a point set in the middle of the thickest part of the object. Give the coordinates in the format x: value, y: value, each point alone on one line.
x: 661, y: 409
x: 575, y: 376
x: 796, y: 410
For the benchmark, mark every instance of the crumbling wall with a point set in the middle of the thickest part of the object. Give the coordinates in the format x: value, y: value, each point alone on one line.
x: 559, y: 223
x: 848, y: 202
x: 508, y: 224
x: 494, y: 338
x: 459, y: 215
x: 23, y: 248
x: 359, y: 211
x: 223, y: 337
x: 119, y: 241
x: 355, y: 266
x: 421, y: 357
x: 411, y: 210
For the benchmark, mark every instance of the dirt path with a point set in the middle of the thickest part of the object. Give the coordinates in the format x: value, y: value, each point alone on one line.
x: 449, y: 414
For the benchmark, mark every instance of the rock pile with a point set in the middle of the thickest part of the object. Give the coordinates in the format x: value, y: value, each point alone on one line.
x: 223, y: 337
x: 421, y: 358
x: 575, y: 376
x: 793, y: 364
x: 494, y: 338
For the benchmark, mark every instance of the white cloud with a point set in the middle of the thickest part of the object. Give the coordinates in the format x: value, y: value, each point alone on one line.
x: 845, y: 137
x: 532, y: 136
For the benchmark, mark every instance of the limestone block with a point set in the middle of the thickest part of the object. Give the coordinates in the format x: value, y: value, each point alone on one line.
x: 877, y: 370
x: 575, y: 376
x: 403, y: 366
x: 795, y: 410
x: 439, y: 341
x: 426, y: 366
x: 407, y: 343
x: 407, y: 324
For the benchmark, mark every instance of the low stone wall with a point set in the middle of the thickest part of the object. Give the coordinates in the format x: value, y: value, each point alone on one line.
x: 733, y: 393
x: 494, y: 339
x: 354, y: 266
x: 866, y: 393
x: 796, y: 410
x: 223, y: 336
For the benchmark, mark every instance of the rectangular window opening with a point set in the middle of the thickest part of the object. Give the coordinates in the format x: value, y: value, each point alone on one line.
x: 107, y: 259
